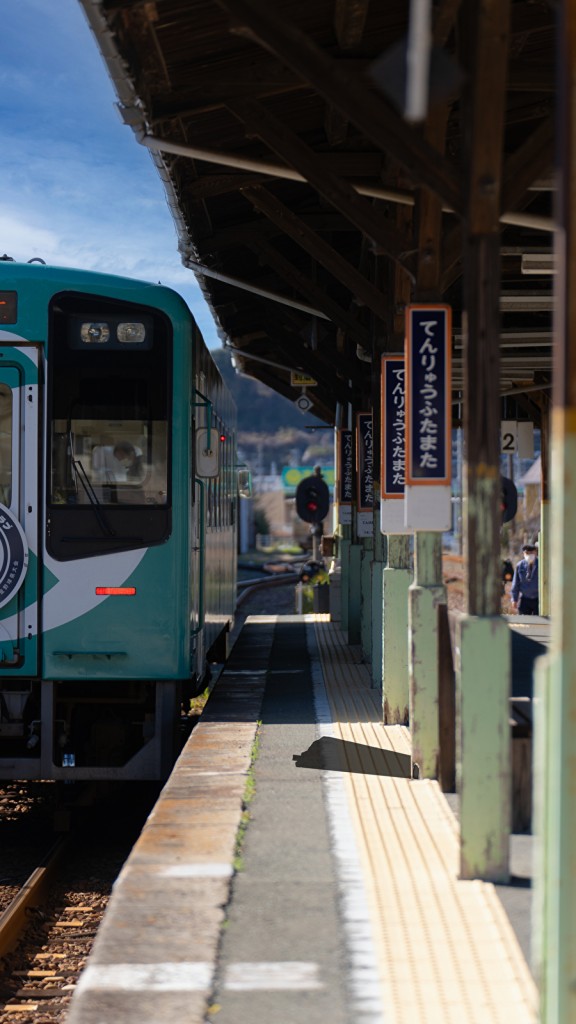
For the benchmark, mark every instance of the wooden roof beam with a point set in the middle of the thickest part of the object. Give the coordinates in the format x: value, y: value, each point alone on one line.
x: 246, y: 232
x: 349, y: 21
x: 339, y: 267
x: 531, y: 161
x: 444, y: 19
x: 316, y: 295
x: 372, y: 115
x: 334, y: 382
x: 323, y: 402
x: 368, y: 218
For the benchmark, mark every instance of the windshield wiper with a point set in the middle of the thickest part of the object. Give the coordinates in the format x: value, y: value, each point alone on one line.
x: 82, y: 475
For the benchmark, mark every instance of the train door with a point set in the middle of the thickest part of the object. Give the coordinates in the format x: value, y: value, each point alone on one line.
x: 18, y: 523
x: 197, y: 582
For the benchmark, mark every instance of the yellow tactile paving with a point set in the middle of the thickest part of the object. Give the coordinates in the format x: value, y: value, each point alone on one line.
x: 446, y: 949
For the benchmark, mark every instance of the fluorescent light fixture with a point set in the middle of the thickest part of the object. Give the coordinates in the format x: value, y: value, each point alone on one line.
x: 538, y: 263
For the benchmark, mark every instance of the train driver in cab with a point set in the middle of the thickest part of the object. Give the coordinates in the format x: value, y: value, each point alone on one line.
x: 130, y: 458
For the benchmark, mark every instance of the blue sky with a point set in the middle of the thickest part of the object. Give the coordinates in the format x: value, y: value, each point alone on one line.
x: 76, y: 189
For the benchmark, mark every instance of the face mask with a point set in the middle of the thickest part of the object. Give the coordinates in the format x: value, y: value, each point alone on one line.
x: 126, y: 463
x: 530, y: 558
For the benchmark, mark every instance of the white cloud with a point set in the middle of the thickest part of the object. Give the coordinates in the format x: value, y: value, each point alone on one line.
x: 75, y: 187
x: 23, y: 240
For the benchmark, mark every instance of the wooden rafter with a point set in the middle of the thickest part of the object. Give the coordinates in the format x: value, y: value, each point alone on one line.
x: 339, y: 193
x: 336, y: 264
x: 259, y: 21
x: 313, y: 293
x: 531, y: 160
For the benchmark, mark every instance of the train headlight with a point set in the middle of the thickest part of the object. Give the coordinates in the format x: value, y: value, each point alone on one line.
x: 94, y: 333
x: 133, y: 334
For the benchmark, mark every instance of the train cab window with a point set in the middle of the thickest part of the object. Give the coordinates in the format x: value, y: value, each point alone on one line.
x: 5, y: 445
x: 109, y: 386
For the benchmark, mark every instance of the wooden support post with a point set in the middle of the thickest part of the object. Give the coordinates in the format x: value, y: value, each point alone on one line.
x: 425, y: 595
x: 427, y: 591
x: 355, y: 594
x: 484, y: 761
x: 344, y: 547
x: 482, y: 423
x: 366, y: 597
x: 483, y: 669
x: 446, y: 703
x: 397, y: 574
x: 556, y: 736
x: 376, y: 602
x: 396, y: 580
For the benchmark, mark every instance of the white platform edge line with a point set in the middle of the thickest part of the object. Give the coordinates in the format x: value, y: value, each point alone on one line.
x: 157, y: 977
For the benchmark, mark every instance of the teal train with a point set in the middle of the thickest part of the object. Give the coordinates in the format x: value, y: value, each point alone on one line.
x: 118, y: 511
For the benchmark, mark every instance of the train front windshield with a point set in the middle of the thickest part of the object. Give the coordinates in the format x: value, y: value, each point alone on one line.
x: 109, y: 372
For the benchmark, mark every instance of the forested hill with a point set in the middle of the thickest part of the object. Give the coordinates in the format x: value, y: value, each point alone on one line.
x: 260, y: 410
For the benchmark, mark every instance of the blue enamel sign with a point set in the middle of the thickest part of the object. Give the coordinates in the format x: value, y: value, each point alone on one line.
x: 393, y: 409
x: 345, y: 467
x: 365, y: 462
x: 428, y: 394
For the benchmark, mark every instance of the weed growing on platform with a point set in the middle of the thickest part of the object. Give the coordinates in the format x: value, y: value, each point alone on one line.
x: 198, y: 703
x: 248, y: 796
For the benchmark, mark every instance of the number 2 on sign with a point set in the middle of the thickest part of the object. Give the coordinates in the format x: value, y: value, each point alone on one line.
x: 508, y: 436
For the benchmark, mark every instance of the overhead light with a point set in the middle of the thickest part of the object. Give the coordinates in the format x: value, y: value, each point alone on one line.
x: 538, y: 263
x: 527, y: 302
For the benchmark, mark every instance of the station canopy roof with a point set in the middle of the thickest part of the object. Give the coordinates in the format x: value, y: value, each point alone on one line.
x: 301, y: 143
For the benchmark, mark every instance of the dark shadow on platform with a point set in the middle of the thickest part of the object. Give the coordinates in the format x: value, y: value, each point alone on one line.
x: 334, y: 755
x: 517, y: 882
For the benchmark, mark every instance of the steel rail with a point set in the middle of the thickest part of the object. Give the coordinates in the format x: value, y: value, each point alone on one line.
x: 16, y: 917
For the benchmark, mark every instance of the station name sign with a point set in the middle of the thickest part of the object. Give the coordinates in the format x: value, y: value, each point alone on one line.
x: 393, y: 409
x: 345, y: 475
x: 364, y: 474
x: 428, y: 394
x: 365, y: 462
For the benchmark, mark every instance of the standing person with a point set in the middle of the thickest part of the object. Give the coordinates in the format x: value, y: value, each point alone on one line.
x: 524, y: 590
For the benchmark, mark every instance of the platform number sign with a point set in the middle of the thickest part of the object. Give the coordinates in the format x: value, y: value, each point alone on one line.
x: 508, y: 437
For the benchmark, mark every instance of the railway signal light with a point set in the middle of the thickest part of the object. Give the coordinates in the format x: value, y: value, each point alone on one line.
x: 509, y: 499
x: 312, y: 499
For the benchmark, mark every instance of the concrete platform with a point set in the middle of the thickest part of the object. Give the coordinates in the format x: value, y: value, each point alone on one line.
x: 292, y: 871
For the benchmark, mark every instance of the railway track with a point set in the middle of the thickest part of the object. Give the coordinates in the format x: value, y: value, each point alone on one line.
x: 47, y: 931
x: 45, y: 936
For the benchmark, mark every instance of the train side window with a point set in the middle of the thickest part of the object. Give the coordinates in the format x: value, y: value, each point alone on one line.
x: 5, y: 445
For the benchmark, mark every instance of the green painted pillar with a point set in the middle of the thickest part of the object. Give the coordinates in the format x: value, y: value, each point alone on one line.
x: 344, y: 549
x: 377, y: 572
x: 366, y: 598
x: 543, y: 810
x: 425, y: 594
x: 557, y: 875
x: 355, y: 594
x: 396, y: 580
x: 544, y: 558
x: 483, y: 754
x: 555, y: 721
